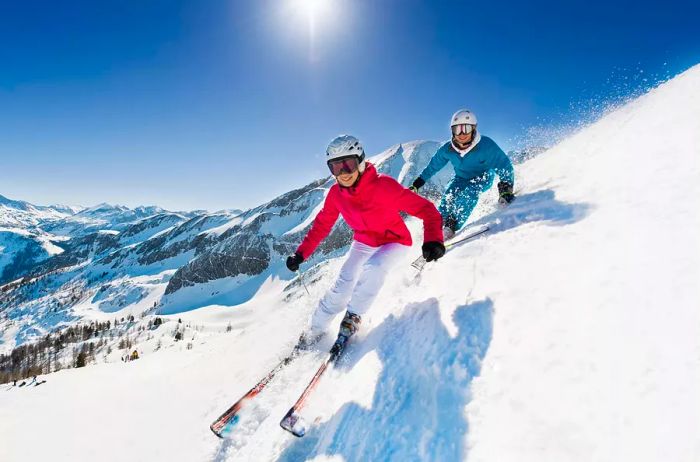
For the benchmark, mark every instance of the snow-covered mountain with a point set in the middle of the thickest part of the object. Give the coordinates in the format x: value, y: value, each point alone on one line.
x: 23, y: 242
x: 21, y: 214
x: 32, y: 234
x: 569, y: 332
x: 102, y: 217
x: 22, y: 250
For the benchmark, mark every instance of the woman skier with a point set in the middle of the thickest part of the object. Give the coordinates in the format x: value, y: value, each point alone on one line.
x: 475, y: 159
x: 371, y: 204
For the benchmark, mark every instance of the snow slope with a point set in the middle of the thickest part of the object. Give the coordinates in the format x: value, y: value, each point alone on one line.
x: 570, y: 332
x: 21, y: 249
x: 596, y: 354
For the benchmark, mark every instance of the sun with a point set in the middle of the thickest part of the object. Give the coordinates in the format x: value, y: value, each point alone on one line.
x: 312, y: 12
x: 314, y: 23
x: 312, y: 9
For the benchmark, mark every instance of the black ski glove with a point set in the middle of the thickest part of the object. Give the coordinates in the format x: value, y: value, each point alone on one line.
x: 433, y: 250
x: 293, y: 261
x: 505, y: 193
x: 417, y: 184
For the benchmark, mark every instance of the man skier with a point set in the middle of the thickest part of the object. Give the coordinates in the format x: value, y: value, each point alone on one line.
x: 370, y: 203
x: 475, y: 159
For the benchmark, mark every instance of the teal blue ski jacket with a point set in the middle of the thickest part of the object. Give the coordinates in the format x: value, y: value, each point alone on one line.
x: 478, y: 165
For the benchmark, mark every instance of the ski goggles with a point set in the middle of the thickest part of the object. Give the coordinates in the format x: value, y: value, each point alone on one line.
x: 462, y: 129
x: 344, y: 165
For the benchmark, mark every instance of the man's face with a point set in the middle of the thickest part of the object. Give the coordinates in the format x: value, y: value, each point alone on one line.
x: 464, y: 138
x: 463, y: 134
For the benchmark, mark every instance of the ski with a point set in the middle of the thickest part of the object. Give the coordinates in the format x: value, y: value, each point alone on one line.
x: 420, y: 262
x: 477, y: 232
x: 292, y: 421
x: 221, y: 426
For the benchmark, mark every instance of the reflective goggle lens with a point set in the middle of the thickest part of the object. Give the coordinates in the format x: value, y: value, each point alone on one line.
x: 462, y: 129
x: 345, y: 165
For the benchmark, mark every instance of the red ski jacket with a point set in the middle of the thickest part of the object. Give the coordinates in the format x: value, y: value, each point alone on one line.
x: 371, y: 208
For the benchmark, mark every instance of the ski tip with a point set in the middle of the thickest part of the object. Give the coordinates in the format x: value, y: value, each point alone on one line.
x: 211, y: 427
x: 294, y: 424
x: 223, y: 429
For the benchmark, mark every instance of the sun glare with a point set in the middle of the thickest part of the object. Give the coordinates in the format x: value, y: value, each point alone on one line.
x: 312, y: 18
x: 312, y: 8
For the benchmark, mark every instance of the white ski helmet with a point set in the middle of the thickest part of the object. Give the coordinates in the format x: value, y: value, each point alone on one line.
x: 345, y: 146
x: 463, y: 116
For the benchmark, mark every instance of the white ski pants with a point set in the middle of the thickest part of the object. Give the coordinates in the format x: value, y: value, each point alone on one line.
x: 358, y: 283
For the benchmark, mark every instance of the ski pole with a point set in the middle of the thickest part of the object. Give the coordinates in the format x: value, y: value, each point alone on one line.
x: 301, y: 277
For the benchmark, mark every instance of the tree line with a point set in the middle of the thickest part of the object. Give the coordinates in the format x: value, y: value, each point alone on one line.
x: 44, y: 356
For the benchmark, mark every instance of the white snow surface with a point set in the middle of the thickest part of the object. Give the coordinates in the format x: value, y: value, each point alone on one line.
x: 569, y: 332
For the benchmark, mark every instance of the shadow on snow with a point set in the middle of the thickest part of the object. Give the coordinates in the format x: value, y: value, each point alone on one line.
x: 417, y: 411
x: 534, y: 207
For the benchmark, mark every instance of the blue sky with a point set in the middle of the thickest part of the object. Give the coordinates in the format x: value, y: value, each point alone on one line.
x: 225, y: 104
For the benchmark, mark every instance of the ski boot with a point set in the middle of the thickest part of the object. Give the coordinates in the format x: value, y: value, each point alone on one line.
x: 348, y: 327
x: 449, y: 229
